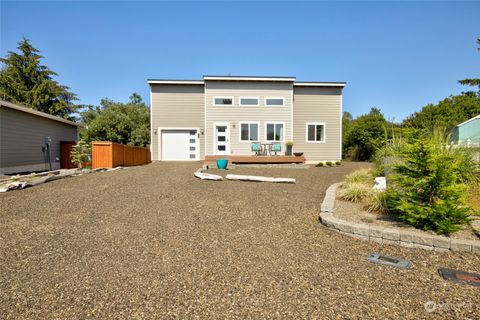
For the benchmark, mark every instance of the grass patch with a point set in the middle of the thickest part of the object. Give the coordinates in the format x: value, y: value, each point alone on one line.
x: 355, y: 192
x: 360, y: 176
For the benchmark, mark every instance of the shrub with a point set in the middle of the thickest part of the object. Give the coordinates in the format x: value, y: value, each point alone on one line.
x: 329, y: 163
x: 355, y: 192
x: 377, y: 202
x: 338, y: 163
x: 320, y: 164
x: 363, y: 176
x: 428, y: 190
x: 81, y: 152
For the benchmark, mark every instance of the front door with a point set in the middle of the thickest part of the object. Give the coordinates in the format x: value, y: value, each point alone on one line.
x: 222, y: 139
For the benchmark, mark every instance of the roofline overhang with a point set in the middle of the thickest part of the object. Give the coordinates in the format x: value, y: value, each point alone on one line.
x: 320, y: 84
x: 171, y: 81
x: 248, y: 78
x: 469, y: 120
x: 6, y: 104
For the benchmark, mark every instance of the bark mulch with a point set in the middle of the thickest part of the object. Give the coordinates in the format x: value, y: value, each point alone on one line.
x: 155, y: 242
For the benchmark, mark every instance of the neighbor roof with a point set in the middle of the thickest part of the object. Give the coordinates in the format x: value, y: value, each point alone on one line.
x: 6, y: 104
x: 247, y: 78
x: 476, y: 117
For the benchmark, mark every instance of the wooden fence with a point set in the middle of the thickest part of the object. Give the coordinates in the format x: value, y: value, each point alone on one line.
x: 110, y: 155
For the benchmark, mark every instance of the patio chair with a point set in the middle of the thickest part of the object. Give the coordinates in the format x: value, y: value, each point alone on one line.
x: 276, y: 147
x: 257, y: 148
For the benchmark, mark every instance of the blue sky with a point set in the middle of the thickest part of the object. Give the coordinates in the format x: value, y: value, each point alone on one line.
x: 393, y: 55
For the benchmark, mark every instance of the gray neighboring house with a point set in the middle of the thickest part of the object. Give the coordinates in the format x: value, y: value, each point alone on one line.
x: 26, y: 135
x: 223, y: 115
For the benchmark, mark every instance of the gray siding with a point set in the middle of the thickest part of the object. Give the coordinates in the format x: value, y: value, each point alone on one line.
x: 236, y: 113
x: 176, y: 106
x: 318, y: 104
x: 22, y: 136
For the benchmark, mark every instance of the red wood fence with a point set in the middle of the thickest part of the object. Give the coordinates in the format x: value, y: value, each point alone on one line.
x: 109, y: 155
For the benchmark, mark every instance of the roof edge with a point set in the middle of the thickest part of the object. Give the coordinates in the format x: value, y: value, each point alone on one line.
x: 26, y: 109
x: 319, y: 84
x: 249, y: 78
x: 467, y: 121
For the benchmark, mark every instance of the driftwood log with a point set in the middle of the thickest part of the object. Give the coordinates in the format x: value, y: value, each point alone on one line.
x: 259, y: 178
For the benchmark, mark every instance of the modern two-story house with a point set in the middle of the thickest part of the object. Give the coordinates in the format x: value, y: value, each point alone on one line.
x: 223, y: 115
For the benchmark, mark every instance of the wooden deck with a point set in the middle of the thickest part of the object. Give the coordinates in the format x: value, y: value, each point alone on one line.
x: 255, y: 159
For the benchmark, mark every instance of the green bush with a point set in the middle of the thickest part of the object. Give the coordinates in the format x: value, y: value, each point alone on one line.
x: 329, y: 163
x: 81, y: 152
x: 338, y: 163
x: 355, y: 192
x: 320, y: 164
x: 428, y: 189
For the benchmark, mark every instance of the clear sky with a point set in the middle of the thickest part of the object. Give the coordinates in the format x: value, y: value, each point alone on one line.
x: 397, y: 56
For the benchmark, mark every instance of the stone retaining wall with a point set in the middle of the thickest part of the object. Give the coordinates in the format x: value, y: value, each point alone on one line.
x: 393, y: 236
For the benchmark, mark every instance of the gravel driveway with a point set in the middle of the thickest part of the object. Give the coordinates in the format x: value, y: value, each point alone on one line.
x: 154, y: 242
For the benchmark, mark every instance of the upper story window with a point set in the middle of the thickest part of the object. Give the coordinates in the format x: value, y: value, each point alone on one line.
x: 274, y: 131
x: 315, y: 132
x: 248, y: 101
x: 223, y: 101
x: 275, y: 102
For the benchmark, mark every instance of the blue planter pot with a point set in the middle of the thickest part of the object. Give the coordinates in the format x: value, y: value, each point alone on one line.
x: 222, y: 164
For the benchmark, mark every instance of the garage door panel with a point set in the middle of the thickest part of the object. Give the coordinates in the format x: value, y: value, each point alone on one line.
x: 179, y: 145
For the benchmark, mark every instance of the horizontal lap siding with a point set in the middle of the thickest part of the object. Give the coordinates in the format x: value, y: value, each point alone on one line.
x: 177, y: 106
x: 235, y: 114
x: 316, y: 104
x: 22, y: 136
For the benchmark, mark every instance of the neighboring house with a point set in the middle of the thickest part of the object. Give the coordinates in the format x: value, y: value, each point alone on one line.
x: 223, y: 115
x: 467, y: 132
x: 31, y: 140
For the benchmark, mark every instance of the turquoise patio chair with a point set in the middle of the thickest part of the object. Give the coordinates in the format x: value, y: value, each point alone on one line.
x: 276, y: 147
x: 257, y: 148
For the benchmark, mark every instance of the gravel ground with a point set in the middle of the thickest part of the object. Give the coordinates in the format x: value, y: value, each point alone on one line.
x: 154, y: 242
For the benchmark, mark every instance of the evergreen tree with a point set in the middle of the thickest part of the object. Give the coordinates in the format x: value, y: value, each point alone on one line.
x: 24, y: 80
x: 472, y: 82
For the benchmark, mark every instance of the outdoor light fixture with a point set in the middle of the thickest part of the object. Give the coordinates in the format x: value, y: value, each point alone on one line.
x: 389, y: 261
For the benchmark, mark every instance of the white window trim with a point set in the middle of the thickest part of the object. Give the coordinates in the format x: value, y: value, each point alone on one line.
x: 240, y: 131
x: 315, y: 124
x: 197, y: 143
x: 274, y: 105
x: 274, y: 123
x: 248, y: 105
x: 223, y: 105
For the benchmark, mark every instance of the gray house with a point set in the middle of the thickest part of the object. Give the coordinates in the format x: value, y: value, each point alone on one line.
x: 223, y: 115
x: 31, y: 140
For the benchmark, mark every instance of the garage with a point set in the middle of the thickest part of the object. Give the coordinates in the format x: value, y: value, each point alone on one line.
x: 179, y: 144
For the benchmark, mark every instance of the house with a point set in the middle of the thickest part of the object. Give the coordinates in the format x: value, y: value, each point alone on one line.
x: 223, y: 115
x: 467, y: 132
x: 31, y: 140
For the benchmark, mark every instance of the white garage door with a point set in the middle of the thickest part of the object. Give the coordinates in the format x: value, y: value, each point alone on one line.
x: 179, y: 145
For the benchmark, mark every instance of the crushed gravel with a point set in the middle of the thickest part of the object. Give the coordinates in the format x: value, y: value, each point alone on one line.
x: 154, y: 242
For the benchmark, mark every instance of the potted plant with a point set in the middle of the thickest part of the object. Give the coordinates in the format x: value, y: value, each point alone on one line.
x: 289, y: 146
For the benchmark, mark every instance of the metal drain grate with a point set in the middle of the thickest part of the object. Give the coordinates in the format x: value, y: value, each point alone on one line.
x: 389, y: 261
x: 459, y: 276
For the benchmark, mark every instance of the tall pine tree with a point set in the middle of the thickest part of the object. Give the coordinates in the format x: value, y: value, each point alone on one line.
x: 24, y: 80
x: 475, y: 82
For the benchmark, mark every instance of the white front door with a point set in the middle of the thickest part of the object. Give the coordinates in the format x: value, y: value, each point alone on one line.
x: 222, y: 138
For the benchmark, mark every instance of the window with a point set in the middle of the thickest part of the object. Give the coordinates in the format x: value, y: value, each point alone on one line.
x: 276, y: 102
x: 248, y: 131
x: 223, y: 101
x: 246, y: 101
x: 274, y: 131
x: 315, y: 132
